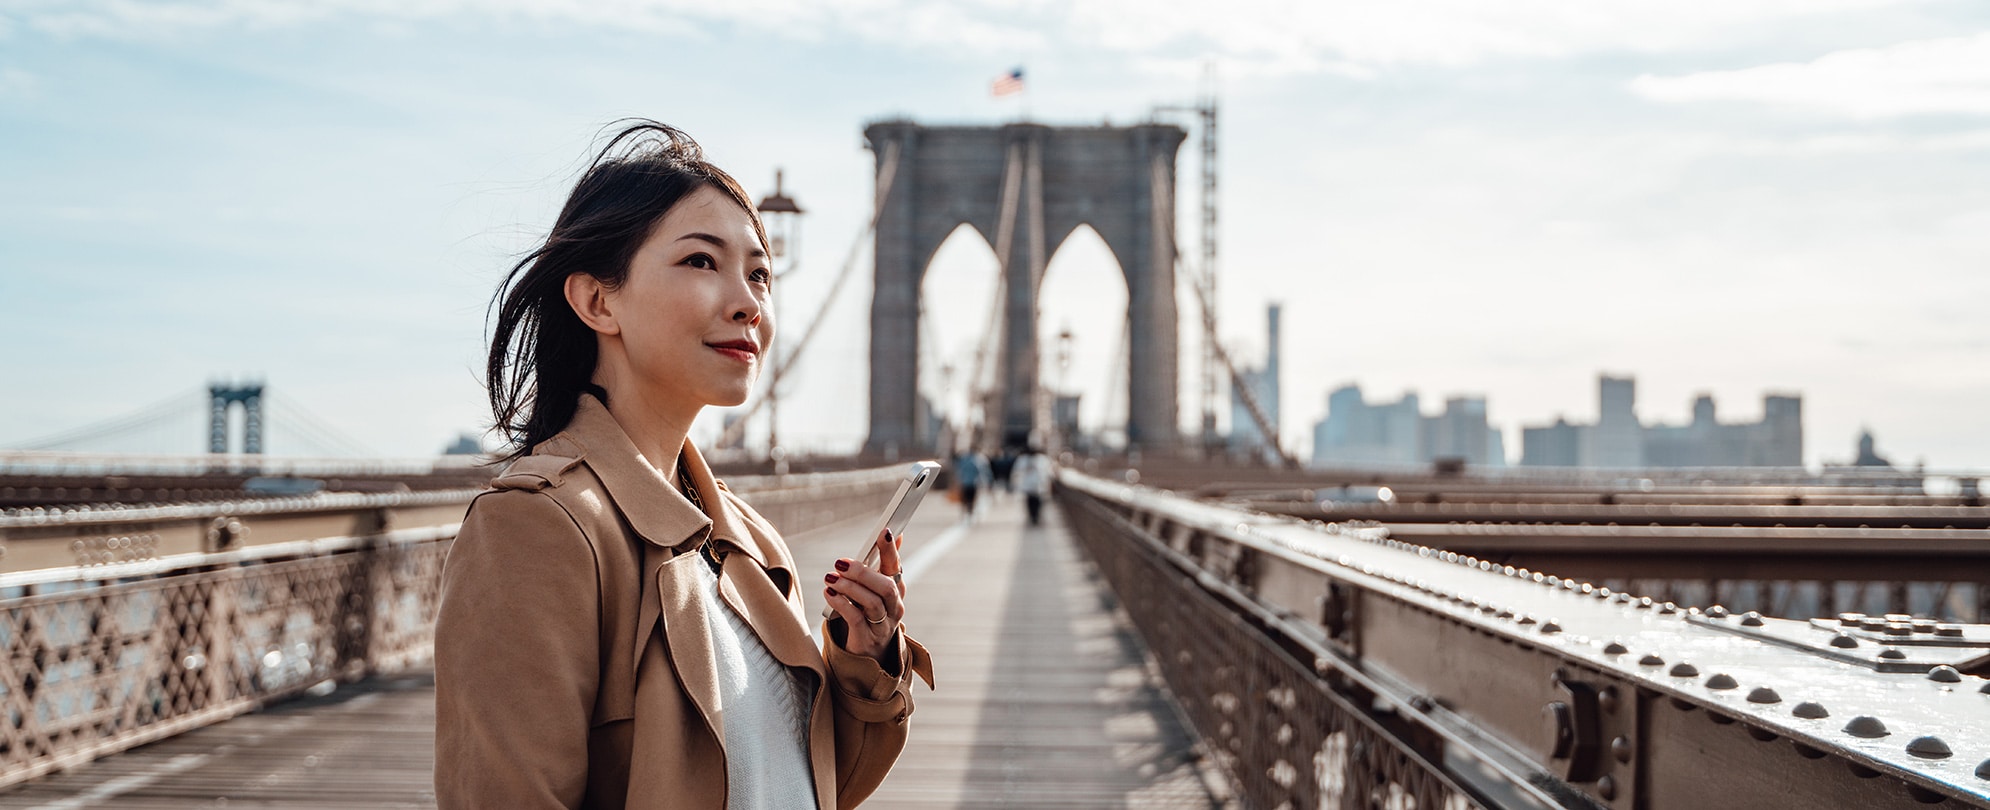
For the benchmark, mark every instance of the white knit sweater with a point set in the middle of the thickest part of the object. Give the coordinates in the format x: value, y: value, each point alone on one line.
x: 765, y: 710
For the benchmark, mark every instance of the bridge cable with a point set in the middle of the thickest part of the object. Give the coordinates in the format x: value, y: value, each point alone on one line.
x: 193, y: 400
x: 886, y: 179
x: 1237, y: 386
x: 1005, y: 231
x: 313, y: 429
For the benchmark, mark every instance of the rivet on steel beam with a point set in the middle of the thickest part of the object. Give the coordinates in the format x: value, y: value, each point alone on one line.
x: 1751, y: 619
x: 1985, y: 690
x: 1722, y: 680
x: 1923, y: 625
x: 1508, y: 570
x: 1606, y: 787
x: 1948, y: 630
x: 1527, y: 620
x: 1554, y: 582
x: 1717, y: 612
x: 1899, y: 617
x: 1851, y: 619
x: 1588, y: 588
x: 1684, y: 670
x: 1503, y: 614
x: 1668, y: 608
x: 1944, y: 674
x: 1621, y: 749
x: 1899, y: 629
x: 1892, y: 654
x: 1810, y: 710
x: 1867, y: 727
x: 1983, y: 770
x: 1763, y: 694
x: 1844, y: 642
x: 1929, y: 748
x: 1645, y: 602
x: 1650, y: 660
x: 1550, y: 627
x: 1602, y: 593
x: 1621, y: 598
x: 1615, y: 648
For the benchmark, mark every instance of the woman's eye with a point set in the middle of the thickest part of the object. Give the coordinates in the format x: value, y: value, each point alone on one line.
x: 761, y: 276
x: 701, y: 261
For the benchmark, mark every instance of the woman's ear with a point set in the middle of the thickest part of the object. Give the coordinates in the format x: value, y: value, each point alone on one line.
x: 590, y: 301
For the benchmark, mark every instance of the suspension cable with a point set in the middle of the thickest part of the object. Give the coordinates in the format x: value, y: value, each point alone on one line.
x: 886, y: 179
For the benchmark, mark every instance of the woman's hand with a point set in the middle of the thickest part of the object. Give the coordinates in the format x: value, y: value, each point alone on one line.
x: 870, y: 600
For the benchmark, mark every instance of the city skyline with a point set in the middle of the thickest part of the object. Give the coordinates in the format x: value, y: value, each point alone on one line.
x: 1720, y: 196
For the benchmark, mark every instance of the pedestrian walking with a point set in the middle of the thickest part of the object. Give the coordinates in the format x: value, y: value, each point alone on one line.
x: 971, y: 468
x: 1032, y: 475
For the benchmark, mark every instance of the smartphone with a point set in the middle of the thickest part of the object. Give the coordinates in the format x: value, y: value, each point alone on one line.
x: 911, y: 490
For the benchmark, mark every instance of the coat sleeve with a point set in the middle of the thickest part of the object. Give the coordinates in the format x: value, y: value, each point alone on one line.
x: 872, y: 706
x: 516, y: 657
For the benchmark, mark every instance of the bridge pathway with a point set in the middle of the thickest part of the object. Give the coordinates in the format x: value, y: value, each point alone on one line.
x: 1043, y: 701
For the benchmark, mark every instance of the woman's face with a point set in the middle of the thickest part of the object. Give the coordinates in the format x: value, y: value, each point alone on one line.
x: 695, y: 311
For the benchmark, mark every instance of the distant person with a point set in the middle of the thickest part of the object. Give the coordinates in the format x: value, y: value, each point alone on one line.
x: 1004, y: 466
x: 972, y: 471
x: 1033, y: 480
x: 610, y: 611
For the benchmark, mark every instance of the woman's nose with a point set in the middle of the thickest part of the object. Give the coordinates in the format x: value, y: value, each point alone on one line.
x: 749, y: 311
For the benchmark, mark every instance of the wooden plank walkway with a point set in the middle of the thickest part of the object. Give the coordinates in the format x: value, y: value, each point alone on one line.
x: 1044, y: 701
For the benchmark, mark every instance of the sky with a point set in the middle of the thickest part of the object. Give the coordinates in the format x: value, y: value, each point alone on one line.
x: 1737, y: 197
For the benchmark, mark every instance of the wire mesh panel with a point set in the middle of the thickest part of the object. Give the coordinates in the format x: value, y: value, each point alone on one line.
x: 1272, y: 724
x: 94, y: 667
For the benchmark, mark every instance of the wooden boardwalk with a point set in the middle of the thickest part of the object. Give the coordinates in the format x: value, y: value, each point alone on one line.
x: 1043, y: 701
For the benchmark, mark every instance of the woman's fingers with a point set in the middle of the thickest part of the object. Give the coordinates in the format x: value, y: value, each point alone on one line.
x: 875, y: 583
x: 852, y: 615
x: 850, y: 586
x: 889, y: 561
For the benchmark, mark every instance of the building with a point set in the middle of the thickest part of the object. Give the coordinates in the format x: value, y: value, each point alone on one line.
x: 1620, y: 439
x: 1245, y: 437
x: 1355, y: 432
x: 1556, y: 445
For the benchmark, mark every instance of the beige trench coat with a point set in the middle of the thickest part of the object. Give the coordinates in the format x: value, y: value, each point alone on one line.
x: 574, y: 665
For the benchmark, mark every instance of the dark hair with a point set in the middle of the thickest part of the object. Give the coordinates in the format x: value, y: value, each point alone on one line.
x: 542, y: 355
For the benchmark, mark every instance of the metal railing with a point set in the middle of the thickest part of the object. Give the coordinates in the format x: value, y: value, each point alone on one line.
x: 1330, y: 666
x: 176, y: 617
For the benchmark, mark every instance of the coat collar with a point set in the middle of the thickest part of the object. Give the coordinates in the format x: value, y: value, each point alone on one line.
x: 672, y: 528
x: 657, y: 511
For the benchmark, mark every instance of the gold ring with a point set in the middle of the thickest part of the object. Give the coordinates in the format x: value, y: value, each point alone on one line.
x: 878, y: 620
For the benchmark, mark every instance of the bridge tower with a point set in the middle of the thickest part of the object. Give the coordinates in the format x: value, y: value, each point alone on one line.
x: 221, y: 399
x: 1024, y: 187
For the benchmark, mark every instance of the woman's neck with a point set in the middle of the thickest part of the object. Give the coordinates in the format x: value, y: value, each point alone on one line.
x: 657, y: 431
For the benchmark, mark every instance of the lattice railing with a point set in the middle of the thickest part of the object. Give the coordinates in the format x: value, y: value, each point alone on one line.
x: 96, y: 666
x: 1270, y: 722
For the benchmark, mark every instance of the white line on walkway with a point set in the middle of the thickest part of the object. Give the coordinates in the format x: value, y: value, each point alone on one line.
x: 924, y: 556
x: 126, y: 784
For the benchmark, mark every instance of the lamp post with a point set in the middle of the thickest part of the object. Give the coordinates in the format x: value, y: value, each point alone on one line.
x: 783, y: 220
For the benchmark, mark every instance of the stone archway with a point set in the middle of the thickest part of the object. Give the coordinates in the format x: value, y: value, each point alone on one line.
x: 1024, y: 188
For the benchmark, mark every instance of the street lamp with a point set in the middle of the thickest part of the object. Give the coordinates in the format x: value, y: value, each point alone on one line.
x: 783, y: 220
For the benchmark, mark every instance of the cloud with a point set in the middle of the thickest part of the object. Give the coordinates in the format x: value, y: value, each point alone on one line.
x: 1264, y: 36
x: 1949, y: 75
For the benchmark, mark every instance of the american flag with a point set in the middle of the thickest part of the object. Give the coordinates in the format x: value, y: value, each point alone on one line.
x: 1007, y: 83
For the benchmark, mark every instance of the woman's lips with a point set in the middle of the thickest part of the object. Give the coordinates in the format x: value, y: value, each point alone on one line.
x: 743, y: 352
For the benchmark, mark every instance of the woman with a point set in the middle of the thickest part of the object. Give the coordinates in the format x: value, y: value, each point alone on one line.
x: 617, y: 629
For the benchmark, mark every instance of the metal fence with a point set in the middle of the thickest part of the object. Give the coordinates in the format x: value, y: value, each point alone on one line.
x: 1331, y: 666
x: 1270, y: 721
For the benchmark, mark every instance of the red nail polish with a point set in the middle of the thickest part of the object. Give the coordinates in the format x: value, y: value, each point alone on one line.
x: 842, y: 565
x: 830, y: 578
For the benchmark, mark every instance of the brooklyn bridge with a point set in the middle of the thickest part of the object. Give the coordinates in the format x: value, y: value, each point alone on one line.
x: 1188, y: 627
